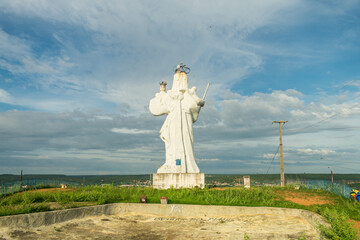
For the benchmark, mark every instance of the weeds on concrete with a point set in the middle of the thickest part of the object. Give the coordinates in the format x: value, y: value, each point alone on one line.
x: 302, y: 237
x: 246, y: 237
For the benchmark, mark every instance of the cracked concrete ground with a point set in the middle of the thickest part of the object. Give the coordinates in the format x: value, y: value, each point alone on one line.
x: 134, y: 225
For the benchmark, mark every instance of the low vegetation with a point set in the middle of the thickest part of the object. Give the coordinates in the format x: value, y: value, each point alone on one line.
x: 352, y: 180
x: 338, y: 212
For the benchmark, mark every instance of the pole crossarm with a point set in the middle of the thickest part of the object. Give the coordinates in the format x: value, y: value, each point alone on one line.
x: 280, y: 122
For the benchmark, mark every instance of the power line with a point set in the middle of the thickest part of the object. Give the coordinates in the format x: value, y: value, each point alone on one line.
x: 322, y: 120
x: 334, y: 167
x: 348, y: 83
x: 343, y: 86
x: 273, y: 158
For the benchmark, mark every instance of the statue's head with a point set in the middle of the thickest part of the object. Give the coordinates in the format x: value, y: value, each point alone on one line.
x: 180, y: 82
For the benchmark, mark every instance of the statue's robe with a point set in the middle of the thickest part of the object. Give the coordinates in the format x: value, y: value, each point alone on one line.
x: 182, y: 111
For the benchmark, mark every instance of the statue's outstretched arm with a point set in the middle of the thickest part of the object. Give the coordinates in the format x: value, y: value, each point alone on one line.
x: 158, y: 105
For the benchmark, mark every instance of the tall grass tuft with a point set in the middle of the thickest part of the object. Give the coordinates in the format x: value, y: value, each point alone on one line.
x: 341, y: 228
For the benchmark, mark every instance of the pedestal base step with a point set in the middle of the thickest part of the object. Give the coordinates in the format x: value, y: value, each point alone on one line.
x: 178, y: 180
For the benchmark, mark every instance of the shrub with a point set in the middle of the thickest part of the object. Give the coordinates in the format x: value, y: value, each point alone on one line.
x: 341, y: 228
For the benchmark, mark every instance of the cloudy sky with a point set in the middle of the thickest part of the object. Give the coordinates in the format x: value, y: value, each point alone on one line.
x: 76, y: 78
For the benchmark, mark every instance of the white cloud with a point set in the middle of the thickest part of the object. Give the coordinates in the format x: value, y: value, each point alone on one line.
x: 85, y: 136
x: 123, y: 40
x: 128, y: 16
x: 17, y: 56
x: 268, y: 155
x: 355, y: 83
x: 12, y: 47
x: 309, y: 151
x: 207, y: 159
x: 104, y: 117
x: 131, y: 131
x: 260, y: 108
x: 5, y: 97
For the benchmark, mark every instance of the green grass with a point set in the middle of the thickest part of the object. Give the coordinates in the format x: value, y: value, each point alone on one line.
x: 22, y: 209
x: 341, y: 228
x: 337, y: 215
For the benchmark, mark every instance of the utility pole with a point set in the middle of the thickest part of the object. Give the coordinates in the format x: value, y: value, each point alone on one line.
x: 332, y: 176
x: 21, y: 174
x: 281, y: 154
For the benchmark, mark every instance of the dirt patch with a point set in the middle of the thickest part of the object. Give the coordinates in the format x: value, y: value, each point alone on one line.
x: 304, y: 198
x: 225, y: 188
x: 218, y: 188
x: 52, y: 190
x: 149, y: 226
x: 356, y: 225
x: 47, y: 190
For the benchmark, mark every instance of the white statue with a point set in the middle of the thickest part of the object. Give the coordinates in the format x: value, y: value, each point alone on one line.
x: 182, y: 107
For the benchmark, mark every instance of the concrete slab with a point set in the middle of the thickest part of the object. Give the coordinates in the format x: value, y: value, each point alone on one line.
x: 178, y: 180
x: 156, y: 221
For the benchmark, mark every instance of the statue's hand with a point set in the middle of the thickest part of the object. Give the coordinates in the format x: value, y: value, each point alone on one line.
x: 160, y: 94
x: 201, y: 103
x: 192, y: 90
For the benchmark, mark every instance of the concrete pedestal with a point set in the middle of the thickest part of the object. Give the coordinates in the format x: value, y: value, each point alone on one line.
x: 178, y: 180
